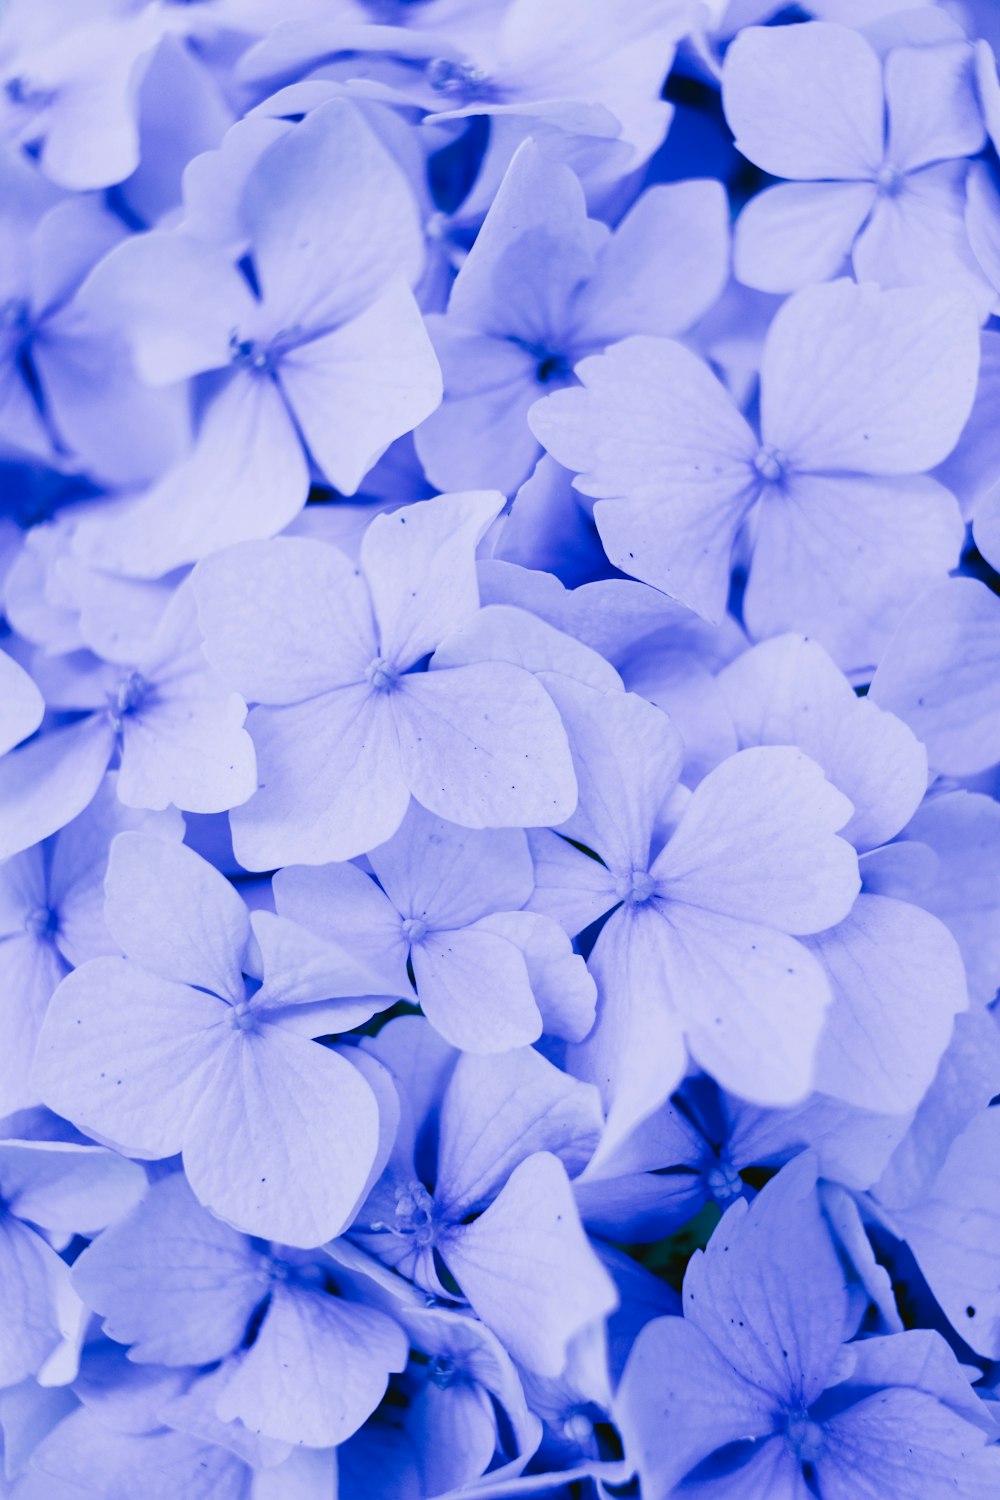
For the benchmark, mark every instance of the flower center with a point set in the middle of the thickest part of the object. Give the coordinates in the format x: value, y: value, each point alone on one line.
x: 414, y: 929
x: 805, y: 1437
x: 635, y: 888
x: 889, y: 181
x: 551, y: 367
x: 241, y: 1017
x: 442, y: 1370
x: 448, y: 77
x: 770, y: 463
x: 724, y: 1182
x: 128, y: 695
x: 577, y: 1428
x: 415, y: 1213
x: 382, y: 674
x: 248, y: 354
x: 43, y: 922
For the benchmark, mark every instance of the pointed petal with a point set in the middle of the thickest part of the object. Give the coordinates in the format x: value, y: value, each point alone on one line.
x: 751, y: 1002
x: 479, y: 435
x: 932, y: 106
x: 178, y: 300
x: 172, y: 1280
x: 247, y: 456
x: 159, y: 1465
x: 175, y: 915
x: 839, y: 557
x: 68, y: 1188
x: 653, y: 430
x: 940, y: 674
x: 963, y: 831
x: 378, y: 373
x: 299, y: 968
x: 421, y: 569
x: 530, y: 255
x: 21, y: 704
x: 331, y: 220
x: 451, y: 876
x: 679, y: 1401
x: 898, y: 982
x: 780, y: 1329
x: 50, y: 780
x: 952, y: 1229
x: 30, y: 969
x: 78, y: 866
x: 504, y: 632
x: 798, y: 233
x: 528, y: 1269
x: 343, y: 905
x: 787, y: 691
x: 663, y: 267
x: 570, y: 887
x: 499, y: 1110
x: 635, y: 1053
x: 919, y: 237
x: 562, y: 988
x: 902, y: 1437
x: 616, y: 813
x: 35, y: 1281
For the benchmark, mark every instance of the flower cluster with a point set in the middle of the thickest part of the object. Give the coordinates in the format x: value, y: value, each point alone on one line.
x: 499, y: 746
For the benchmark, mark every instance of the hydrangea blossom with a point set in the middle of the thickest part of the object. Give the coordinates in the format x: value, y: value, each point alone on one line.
x: 173, y: 726
x: 349, y: 729
x: 861, y: 391
x: 781, y: 1400
x: 53, y: 919
x: 271, y: 1317
x: 167, y: 1050
x: 708, y: 897
x: 326, y: 300
x: 447, y: 907
x: 879, y: 168
x: 501, y: 1228
x: 508, y: 334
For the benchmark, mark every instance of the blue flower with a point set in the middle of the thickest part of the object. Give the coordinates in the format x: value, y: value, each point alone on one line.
x: 757, y: 1388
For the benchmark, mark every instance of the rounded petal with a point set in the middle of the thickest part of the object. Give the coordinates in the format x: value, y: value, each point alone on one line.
x: 281, y: 1137
x: 878, y: 382
x: 331, y: 783
x: 125, y: 1055
x: 484, y: 746
x: 757, y: 842
x: 805, y: 101
x: 175, y: 915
